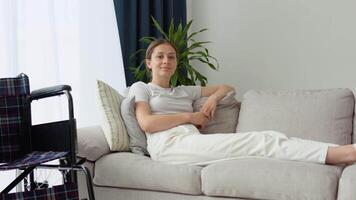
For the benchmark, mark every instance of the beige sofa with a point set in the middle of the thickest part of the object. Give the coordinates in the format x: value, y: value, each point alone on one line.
x: 323, y: 115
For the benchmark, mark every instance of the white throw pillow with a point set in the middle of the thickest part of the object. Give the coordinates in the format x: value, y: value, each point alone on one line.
x: 112, y: 123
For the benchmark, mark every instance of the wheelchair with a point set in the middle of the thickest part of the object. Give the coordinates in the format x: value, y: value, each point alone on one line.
x: 27, y: 147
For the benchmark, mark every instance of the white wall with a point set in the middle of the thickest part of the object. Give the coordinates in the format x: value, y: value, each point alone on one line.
x: 279, y: 44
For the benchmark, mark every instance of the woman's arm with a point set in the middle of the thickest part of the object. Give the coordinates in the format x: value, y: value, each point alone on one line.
x: 214, y: 94
x: 151, y: 123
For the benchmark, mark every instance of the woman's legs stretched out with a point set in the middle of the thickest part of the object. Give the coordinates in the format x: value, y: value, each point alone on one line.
x: 345, y: 154
x: 185, y: 145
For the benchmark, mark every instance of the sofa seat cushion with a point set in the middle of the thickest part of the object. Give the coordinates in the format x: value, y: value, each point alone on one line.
x: 347, y: 183
x: 129, y: 170
x: 262, y: 178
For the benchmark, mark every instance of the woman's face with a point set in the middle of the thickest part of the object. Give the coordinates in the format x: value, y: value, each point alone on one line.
x: 163, y: 62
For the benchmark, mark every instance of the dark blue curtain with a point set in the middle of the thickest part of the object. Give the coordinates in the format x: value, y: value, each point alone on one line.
x: 134, y: 22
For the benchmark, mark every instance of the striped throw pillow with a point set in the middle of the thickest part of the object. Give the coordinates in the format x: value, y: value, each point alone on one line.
x: 112, y: 123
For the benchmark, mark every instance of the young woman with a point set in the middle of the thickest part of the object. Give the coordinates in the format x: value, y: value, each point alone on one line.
x: 165, y: 113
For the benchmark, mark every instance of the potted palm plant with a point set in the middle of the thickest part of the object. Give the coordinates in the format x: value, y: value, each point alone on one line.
x: 188, y: 50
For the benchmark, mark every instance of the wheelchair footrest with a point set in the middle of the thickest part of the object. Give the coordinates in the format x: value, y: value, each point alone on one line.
x: 68, y: 191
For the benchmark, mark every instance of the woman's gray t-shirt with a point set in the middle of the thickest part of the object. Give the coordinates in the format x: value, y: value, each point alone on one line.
x: 166, y: 100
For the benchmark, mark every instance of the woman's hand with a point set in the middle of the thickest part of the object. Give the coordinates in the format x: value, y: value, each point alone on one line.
x: 209, y: 107
x: 199, y: 119
x: 214, y: 94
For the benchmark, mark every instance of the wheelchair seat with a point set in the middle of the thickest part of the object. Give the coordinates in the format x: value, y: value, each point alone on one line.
x: 33, y: 159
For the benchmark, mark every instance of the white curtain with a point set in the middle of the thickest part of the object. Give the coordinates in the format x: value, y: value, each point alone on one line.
x: 55, y: 42
x: 72, y: 42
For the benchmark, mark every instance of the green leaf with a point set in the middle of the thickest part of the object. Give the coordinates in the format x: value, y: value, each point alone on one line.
x: 210, y: 65
x: 147, y: 40
x: 159, y: 28
x: 187, y: 27
x: 171, y: 29
x: 182, y: 42
x: 174, y: 79
x: 132, y: 69
x: 196, y: 44
x: 184, y: 54
x: 139, y: 75
x: 191, y: 73
x: 179, y: 33
x: 195, y: 33
x: 136, y: 54
x: 206, y: 51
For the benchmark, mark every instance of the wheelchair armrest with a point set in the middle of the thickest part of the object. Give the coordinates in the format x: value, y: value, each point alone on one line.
x: 49, y: 91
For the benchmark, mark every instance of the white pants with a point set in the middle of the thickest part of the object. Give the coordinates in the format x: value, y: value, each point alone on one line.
x: 185, y: 145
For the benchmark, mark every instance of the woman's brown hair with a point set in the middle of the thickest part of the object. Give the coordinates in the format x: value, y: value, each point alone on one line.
x: 157, y: 42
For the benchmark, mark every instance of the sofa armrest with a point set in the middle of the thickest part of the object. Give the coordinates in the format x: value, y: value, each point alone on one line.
x: 347, y: 183
x: 92, y: 143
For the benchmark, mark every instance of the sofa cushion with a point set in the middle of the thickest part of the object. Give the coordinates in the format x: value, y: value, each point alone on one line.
x: 138, y: 140
x: 91, y: 143
x: 347, y: 183
x: 111, y: 121
x: 129, y: 170
x: 227, y: 108
x: 322, y: 115
x: 262, y: 178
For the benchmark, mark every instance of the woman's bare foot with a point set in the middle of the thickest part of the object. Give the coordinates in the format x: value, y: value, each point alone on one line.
x: 345, y: 154
x: 352, y: 162
x: 354, y: 155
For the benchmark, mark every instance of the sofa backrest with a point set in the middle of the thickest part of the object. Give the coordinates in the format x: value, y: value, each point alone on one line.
x: 321, y: 115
